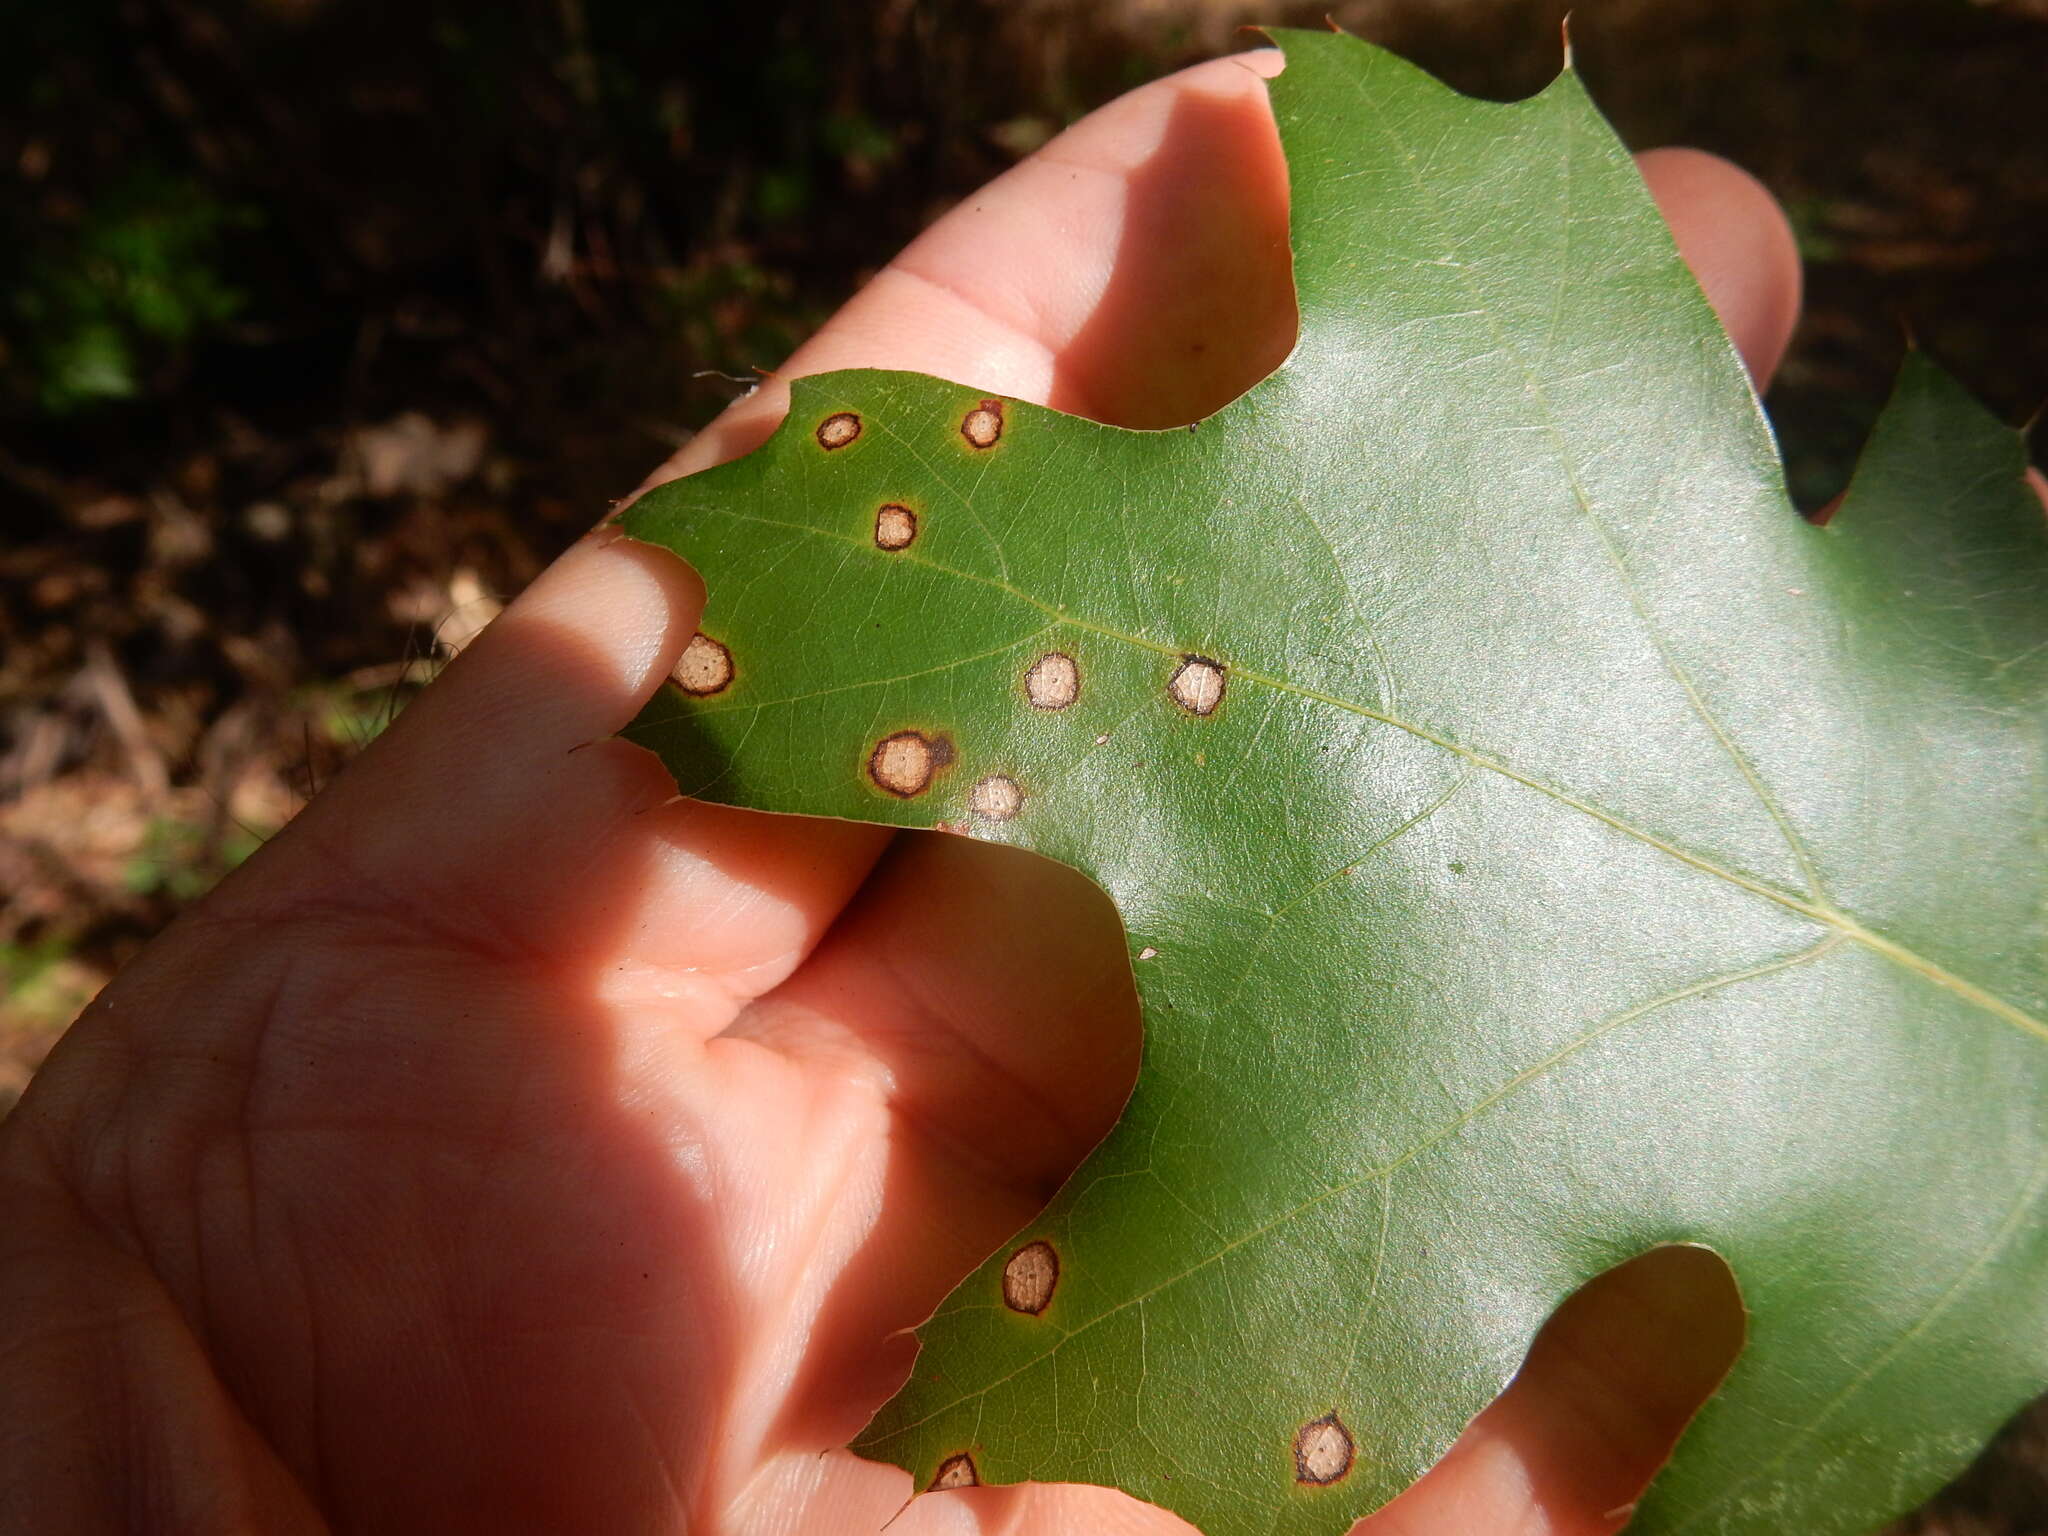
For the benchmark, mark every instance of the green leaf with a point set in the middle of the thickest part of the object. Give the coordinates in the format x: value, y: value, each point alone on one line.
x: 1557, y: 847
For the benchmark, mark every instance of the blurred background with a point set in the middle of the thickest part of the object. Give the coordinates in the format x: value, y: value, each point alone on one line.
x: 324, y: 324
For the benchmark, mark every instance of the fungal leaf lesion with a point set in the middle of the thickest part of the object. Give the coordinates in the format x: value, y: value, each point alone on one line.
x: 705, y: 668
x: 838, y: 429
x: 998, y: 797
x: 1323, y: 1451
x: 983, y: 426
x: 895, y: 526
x: 1197, y: 685
x: 1053, y: 682
x: 1030, y: 1278
x: 904, y: 763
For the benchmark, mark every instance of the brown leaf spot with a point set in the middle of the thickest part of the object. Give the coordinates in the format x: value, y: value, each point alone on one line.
x: 1323, y: 1451
x: 1029, y: 1278
x: 1053, y: 681
x: 996, y: 798
x: 704, y: 668
x: 837, y: 430
x: 983, y: 425
x: 903, y: 764
x: 955, y: 1472
x: 1197, y: 686
x: 895, y: 526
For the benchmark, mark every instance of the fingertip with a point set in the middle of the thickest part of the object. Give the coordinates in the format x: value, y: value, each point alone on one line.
x: 1011, y: 292
x: 1609, y: 1385
x: 1736, y: 238
x: 568, y: 662
x: 624, y: 609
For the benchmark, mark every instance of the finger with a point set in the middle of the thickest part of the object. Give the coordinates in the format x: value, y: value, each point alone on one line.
x: 1566, y: 1451
x: 1052, y: 276
x: 992, y: 989
x: 1608, y: 1386
x: 496, y: 812
x: 1030, y: 286
x: 1740, y: 246
x: 838, y: 1494
x: 994, y: 294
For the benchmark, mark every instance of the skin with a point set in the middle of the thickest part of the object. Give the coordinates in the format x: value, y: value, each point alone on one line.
x: 512, y: 1146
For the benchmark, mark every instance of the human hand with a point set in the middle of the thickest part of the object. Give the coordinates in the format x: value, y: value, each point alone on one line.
x: 512, y: 1146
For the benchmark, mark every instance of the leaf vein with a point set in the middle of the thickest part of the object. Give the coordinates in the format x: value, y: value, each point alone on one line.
x: 1386, y: 1170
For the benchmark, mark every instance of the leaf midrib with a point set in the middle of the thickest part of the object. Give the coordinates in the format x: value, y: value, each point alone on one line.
x: 1814, y: 906
x: 1831, y: 917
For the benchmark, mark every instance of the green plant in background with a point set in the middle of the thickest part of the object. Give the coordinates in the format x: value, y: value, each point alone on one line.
x: 1536, y: 844
x: 135, y: 278
x: 352, y: 717
x: 27, y: 971
x: 183, y: 860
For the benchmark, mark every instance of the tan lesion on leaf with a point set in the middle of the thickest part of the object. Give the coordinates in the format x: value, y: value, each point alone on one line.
x: 1197, y: 685
x: 895, y: 526
x: 1323, y: 1451
x: 998, y: 797
x: 1053, y: 681
x: 705, y: 667
x: 838, y: 429
x: 904, y: 763
x: 983, y: 426
x: 955, y: 1472
x: 1030, y: 1278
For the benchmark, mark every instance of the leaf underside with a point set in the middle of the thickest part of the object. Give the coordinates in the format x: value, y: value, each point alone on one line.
x: 1541, y: 844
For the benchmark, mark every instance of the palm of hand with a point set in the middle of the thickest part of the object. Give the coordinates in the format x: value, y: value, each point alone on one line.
x: 500, y: 1199
x: 512, y: 1146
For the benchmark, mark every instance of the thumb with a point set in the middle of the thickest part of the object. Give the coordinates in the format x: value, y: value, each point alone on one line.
x: 504, y: 766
